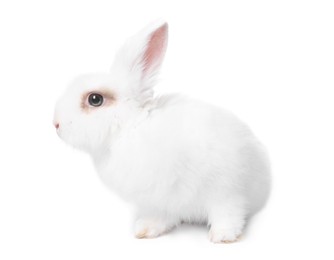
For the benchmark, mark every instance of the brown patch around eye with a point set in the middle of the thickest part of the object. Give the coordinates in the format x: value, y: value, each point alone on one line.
x: 108, y: 99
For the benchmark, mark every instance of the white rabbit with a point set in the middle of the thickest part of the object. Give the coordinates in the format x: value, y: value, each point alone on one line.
x: 175, y: 158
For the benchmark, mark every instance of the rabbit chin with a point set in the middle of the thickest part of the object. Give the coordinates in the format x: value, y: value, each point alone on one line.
x: 83, y: 139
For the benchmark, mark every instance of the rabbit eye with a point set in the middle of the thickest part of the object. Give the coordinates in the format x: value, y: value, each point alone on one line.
x: 103, y: 97
x: 95, y: 99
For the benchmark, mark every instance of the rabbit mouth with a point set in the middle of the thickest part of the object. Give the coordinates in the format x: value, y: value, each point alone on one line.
x: 60, y: 134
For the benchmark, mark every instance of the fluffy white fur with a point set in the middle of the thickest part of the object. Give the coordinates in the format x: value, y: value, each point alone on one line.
x: 175, y: 158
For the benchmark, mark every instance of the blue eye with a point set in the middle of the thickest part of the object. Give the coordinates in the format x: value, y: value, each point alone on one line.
x: 95, y: 99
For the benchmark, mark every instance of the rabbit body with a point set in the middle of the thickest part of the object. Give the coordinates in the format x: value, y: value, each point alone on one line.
x: 184, y: 160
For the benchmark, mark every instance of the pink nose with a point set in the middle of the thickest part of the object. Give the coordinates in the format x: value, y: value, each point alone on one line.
x: 56, y: 125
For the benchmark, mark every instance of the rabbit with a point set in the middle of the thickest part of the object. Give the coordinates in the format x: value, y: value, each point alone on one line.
x: 176, y: 159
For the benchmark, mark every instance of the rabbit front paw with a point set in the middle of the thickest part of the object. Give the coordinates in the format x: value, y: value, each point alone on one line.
x: 150, y: 228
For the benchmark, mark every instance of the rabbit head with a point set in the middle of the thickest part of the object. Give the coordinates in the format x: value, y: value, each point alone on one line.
x: 96, y: 106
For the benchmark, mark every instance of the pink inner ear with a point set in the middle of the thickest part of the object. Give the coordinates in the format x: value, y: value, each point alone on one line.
x: 155, y: 48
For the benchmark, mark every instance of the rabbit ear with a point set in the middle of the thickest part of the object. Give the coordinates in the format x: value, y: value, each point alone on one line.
x: 155, y: 49
x: 140, y: 58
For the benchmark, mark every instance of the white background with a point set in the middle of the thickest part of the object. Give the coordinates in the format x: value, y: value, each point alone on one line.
x: 270, y: 62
